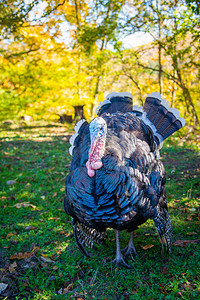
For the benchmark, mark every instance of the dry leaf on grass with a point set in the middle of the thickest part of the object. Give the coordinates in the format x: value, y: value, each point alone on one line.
x: 47, y: 259
x: 184, y: 243
x: 3, y: 287
x: 34, y: 249
x: 146, y: 246
x: 29, y: 228
x: 12, y: 267
x: 191, y: 233
x: 21, y: 255
x: 11, y: 182
x: 10, y: 234
x: 25, y: 255
x: 24, y: 204
x: 68, y: 288
x: 61, y: 232
x: 64, y: 291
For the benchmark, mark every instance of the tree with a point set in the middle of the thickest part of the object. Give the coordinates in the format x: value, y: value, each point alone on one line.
x: 174, y: 29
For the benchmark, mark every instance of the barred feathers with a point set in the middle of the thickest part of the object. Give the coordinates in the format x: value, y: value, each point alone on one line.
x: 88, y: 236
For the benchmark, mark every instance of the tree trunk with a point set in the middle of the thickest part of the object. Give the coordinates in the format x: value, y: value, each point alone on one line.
x: 96, y: 92
x: 159, y: 48
x: 186, y: 93
x: 79, y: 113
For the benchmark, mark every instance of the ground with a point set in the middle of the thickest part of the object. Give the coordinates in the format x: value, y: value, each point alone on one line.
x: 38, y: 256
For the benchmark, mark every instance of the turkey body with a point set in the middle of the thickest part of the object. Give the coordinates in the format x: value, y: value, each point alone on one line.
x: 126, y: 191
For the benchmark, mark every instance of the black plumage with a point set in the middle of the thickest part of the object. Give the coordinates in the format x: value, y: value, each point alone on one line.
x: 129, y: 188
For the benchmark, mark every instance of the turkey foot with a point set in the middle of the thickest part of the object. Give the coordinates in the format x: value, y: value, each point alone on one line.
x: 130, y: 249
x: 119, y: 260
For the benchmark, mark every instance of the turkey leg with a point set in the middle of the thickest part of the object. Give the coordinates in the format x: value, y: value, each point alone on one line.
x: 119, y: 260
x: 130, y: 249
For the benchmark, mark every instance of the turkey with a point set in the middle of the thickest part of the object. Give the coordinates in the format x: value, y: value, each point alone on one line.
x: 116, y: 179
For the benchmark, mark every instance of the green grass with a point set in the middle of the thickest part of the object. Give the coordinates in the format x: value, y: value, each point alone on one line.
x: 37, y: 158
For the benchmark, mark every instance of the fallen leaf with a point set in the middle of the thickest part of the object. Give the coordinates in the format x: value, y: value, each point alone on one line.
x: 68, y: 288
x: 191, y: 233
x: 55, y: 194
x: 29, y: 228
x: 54, y: 218
x: 47, y: 259
x: 55, y: 268
x: 11, y: 182
x: 64, y: 291
x: 12, y: 267
x: 3, y: 287
x: 146, y: 246
x: 184, y: 243
x: 11, y: 157
x: 62, y: 189
x: 35, y: 249
x: 61, y: 232
x: 21, y: 255
x: 24, y: 204
x: 10, y: 234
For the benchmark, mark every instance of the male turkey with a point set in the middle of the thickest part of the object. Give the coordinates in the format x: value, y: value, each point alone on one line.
x: 116, y: 179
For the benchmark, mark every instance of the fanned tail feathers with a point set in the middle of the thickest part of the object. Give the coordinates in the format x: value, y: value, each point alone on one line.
x: 158, y: 115
x: 115, y: 102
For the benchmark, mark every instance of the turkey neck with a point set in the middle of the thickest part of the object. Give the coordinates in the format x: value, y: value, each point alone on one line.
x: 96, y: 153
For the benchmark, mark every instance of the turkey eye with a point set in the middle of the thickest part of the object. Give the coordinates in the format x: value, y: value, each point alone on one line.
x: 101, y: 127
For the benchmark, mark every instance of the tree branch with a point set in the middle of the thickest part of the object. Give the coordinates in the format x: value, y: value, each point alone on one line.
x: 20, y: 53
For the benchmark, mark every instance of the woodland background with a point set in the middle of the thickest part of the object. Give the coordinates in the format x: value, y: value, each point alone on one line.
x: 56, y: 54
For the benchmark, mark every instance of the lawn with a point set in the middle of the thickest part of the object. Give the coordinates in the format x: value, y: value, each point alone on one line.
x: 38, y: 256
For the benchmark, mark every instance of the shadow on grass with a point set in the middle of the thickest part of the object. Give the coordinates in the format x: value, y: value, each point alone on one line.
x: 41, y: 227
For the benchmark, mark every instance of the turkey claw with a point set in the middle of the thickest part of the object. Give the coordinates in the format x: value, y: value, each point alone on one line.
x: 130, y: 251
x: 120, y: 261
